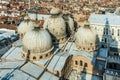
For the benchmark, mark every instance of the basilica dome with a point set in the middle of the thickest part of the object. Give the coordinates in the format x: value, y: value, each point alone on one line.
x: 55, y: 24
x: 38, y: 42
x: 85, y: 38
x: 25, y: 26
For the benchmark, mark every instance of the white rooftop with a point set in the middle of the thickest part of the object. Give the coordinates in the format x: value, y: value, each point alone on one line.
x: 48, y: 76
x: 58, y: 62
x: 32, y: 69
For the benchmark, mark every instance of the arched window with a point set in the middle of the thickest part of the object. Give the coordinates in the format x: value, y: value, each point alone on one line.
x: 23, y: 55
x: 46, y: 55
x: 34, y: 58
x: 88, y: 48
x: 28, y: 54
x: 57, y: 73
x: 112, y: 31
x: 85, y: 65
x: 76, y: 62
x: 81, y: 63
x: 106, y: 31
x: 105, y: 40
x: 83, y: 48
x: 40, y: 57
x: 118, y: 32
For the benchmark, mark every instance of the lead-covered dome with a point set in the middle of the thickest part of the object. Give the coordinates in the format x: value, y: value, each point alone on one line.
x: 25, y: 26
x: 85, y: 39
x: 38, y: 42
x: 55, y: 24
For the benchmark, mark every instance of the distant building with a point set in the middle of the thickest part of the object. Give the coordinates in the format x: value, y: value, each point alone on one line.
x: 107, y: 28
x: 99, y: 23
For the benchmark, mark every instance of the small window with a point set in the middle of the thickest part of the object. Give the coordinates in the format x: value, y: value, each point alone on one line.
x: 83, y: 48
x: 23, y: 55
x: 81, y: 63
x: 118, y: 32
x: 112, y: 31
x: 105, y: 40
x: 106, y: 31
x: 40, y: 57
x: 46, y: 55
x: 91, y: 44
x: 34, y: 58
x: 85, y: 65
x: 76, y: 63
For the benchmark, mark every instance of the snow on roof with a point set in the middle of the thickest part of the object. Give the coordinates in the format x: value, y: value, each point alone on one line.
x: 2, y: 37
x: 83, y: 53
x: 48, y: 76
x: 17, y: 71
x: 42, y: 61
x: 6, y: 30
x: 14, y: 54
x: 7, y: 34
x: 1, y: 32
x: 70, y: 46
x: 16, y: 75
x: 4, y: 65
x: 18, y: 43
x: 32, y: 69
x: 101, y: 19
x: 53, y: 63
x: 58, y: 62
x: 8, y: 52
x: 4, y: 50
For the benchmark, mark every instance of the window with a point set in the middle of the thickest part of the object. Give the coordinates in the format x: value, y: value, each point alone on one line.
x: 106, y: 31
x: 112, y: 31
x: 85, y: 65
x: 28, y: 54
x: 91, y: 44
x: 23, y: 55
x: 118, y: 32
x: 46, y: 55
x: 83, y: 48
x: 81, y: 63
x: 57, y: 73
x: 34, y: 58
x: 105, y: 40
x: 76, y: 63
x: 40, y: 57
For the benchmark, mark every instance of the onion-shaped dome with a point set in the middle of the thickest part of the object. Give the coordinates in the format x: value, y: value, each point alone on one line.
x: 55, y: 25
x: 25, y: 26
x: 38, y: 41
x: 85, y: 38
